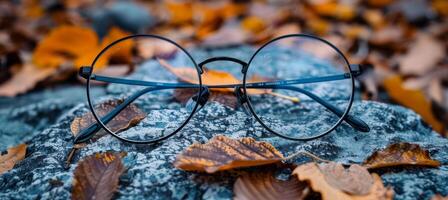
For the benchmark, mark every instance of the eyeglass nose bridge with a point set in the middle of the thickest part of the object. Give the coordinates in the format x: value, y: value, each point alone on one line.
x: 222, y: 58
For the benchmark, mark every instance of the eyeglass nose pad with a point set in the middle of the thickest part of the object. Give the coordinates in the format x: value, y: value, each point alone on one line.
x: 242, y: 100
x: 200, y: 99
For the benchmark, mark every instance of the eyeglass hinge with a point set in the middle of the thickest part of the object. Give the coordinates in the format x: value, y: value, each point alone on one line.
x: 85, y: 71
x: 356, y: 69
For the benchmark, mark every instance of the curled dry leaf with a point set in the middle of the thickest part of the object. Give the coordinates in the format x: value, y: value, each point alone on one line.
x: 12, y: 156
x: 127, y: 118
x: 263, y: 185
x: 400, y: 154
x: 223, y: 153
x: 24, y: 80
x: 97, y: 176
x: 329, y: 186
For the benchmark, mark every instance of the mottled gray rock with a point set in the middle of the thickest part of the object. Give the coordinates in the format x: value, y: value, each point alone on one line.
x: 151, y: 175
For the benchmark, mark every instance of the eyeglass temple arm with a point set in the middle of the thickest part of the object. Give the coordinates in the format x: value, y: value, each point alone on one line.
x: 355, y: 122
x: 88, y: 132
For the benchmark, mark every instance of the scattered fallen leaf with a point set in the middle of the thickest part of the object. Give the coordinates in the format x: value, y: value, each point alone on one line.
x: 64, y: 43
x: 127, y: 118
x: 149, y: 48
x: 97, y: 176
x: 263, y: 185
x: 354, y: 180
x: 387, y: 35
x: 415, y: 100
x: 439, y: 197
x: 328, y: 181
x: 335, y: 9
x: 400, y: 154
x: 440, y: 6
x: 423, y: 56
x: 375, y: 18
x: 215, y: 77
x: 179, y: 12
x: 223, y: 153
x: 253, y: 24
x: 12, y: 156
x: 120, y: 53
x: 24, y: 80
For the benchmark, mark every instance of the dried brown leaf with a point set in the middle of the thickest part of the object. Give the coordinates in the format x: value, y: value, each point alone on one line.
x: 319, y: 182
x: 25, y: 79
x: 97, y: 176
x: 400, y: 154
x: 354, y: 180
x: 127, y: 118
x: 12, y: 156
x: 264, y: 186
x: 223, y: 153
x: 423, y: 55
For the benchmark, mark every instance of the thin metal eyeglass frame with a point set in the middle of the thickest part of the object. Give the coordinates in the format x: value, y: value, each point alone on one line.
x: 87, y: 72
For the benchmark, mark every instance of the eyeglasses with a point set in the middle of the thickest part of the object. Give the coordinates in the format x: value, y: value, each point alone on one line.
x: 298, y: 87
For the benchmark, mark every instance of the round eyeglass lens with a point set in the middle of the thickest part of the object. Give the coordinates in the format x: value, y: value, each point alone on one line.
x: 149, y: 83
x: 309, y: 86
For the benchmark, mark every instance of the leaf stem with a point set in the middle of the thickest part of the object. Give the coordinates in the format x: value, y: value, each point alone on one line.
x: 306, y: 153
x: 293, y: 99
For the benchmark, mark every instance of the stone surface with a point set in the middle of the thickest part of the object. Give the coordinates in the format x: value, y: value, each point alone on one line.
x: 150, y: 173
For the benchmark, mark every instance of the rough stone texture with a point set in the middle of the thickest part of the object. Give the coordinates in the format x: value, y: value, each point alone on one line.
x: 151, y: 175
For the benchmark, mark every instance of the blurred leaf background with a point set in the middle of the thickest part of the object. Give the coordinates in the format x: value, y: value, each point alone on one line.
x: 405, y: 42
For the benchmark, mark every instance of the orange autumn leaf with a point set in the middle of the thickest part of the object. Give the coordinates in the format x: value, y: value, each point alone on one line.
x: 64, y: 43
x: 400, y: 154
x: 79, y: 45
x: 13, y: 155
x: 224, y: 153
x: 215, y: 77
x: 121, y: 51
x: 336, y: 10
x: 414, y: 99
x: 179, y: 12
